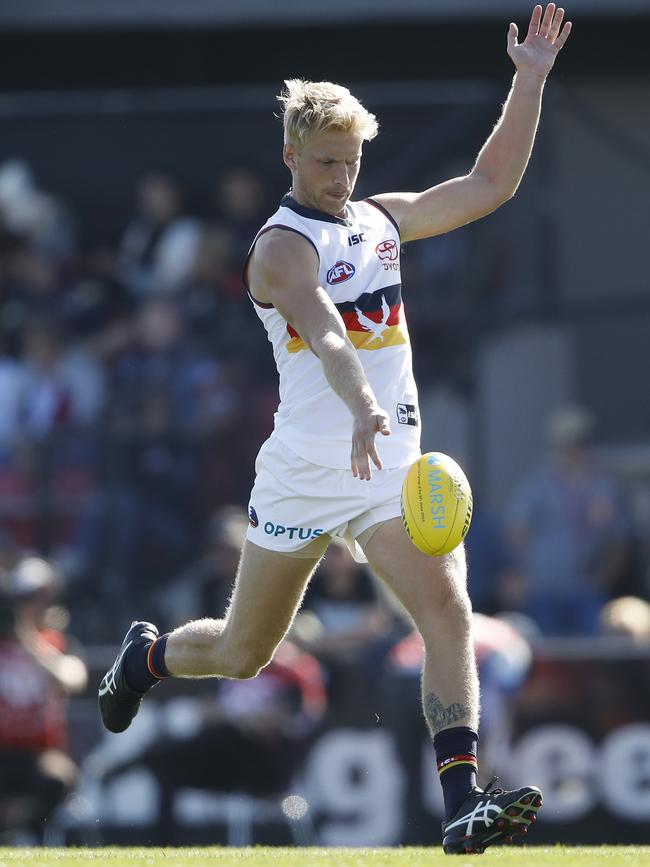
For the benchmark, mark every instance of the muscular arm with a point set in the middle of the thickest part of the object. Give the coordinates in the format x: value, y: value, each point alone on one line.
x: 284, y: 272
x: 503, y: 158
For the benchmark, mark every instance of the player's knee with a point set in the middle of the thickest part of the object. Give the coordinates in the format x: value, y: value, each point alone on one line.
x: 247, y: 663
x: 453, y: 598
x: 243, y: 670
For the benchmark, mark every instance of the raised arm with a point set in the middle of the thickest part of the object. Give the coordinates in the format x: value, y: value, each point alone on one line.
x: 284, y: 272
x: 503, y: 158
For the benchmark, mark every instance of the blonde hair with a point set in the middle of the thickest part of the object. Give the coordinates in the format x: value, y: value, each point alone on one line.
x: 313, y: 106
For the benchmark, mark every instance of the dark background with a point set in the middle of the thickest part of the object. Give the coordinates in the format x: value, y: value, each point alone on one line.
x: 395, y: 51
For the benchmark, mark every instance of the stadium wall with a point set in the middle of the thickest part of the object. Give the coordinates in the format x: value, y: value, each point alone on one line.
x: 580, y: 729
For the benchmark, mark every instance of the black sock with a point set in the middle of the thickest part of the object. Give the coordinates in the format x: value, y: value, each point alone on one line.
x: 144, y: 664
x: 457, y: 765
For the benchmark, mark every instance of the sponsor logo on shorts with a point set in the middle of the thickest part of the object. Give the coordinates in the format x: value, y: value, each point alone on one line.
x: 339, y: 272
x: 253, y: 520
x: 407, y: 414
x: 304, y: 533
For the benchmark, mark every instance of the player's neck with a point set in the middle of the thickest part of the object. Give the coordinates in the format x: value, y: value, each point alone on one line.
x: 306, y: 201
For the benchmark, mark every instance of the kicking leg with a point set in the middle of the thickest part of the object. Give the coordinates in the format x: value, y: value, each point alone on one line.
x: 268, y: 590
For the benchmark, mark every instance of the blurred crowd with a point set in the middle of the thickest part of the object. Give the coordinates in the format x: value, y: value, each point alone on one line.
x: 137, y: 386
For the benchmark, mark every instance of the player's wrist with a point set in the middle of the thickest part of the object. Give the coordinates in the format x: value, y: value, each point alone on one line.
x: 367, y: 402
x: 532, y: 79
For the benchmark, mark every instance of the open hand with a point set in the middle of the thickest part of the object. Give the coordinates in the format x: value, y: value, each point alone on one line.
x: 537, y: 53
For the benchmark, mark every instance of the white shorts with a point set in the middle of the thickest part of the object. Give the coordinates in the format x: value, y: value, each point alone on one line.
x: 296, y: 507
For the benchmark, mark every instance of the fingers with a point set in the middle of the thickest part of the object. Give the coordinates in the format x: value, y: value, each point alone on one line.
x: 361, y: 452
x: 535, y: 18
x: 556, y: 23
x: 359, y: 461
x: 547, y: 21
x: 374, y: 457
x: 384, y: 427
x: 564, y: 35
x: 512, y: 35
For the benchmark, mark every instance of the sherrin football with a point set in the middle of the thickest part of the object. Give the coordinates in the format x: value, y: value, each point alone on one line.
x: 436, y: 504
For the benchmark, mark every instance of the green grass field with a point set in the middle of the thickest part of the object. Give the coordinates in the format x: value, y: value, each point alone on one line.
x: 562, y: 856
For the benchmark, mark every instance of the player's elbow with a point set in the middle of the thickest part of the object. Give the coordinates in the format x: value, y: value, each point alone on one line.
x: 508, y: 193
x: 500, y: 194
x: 493, y: 190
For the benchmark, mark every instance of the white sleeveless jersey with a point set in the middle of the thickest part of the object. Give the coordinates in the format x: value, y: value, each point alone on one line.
x: 359, y: 268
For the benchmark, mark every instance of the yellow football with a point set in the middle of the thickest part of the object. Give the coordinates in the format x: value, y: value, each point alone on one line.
x: 436, y: 503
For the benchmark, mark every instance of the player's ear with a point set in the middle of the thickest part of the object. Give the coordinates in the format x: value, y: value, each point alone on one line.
x: 289, y: 154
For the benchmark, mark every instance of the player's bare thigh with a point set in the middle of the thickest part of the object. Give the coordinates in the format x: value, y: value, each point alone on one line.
x: 268, y: 591
x: 424, y: 585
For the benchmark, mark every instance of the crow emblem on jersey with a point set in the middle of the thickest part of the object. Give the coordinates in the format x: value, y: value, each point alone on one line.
x: 374, y: 320
x: 368, y: 324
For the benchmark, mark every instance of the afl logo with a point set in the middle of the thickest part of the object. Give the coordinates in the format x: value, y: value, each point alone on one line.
x: 340, y: 272
x: 387, y: 249
x: 252, y: 517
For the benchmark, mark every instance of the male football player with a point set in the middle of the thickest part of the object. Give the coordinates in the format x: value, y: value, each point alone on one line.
x: 324, y: 276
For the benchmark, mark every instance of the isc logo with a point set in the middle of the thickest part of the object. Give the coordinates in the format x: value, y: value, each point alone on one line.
x: 339, y: 272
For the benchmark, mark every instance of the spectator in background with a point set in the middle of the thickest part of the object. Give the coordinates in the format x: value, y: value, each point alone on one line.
x: 30, y: 289
x: 33, y: 214
x: 348, y: 626
x: 12, y: 386
x: 457, y: 281
x: 37, y: 672
x: 569, y: 533
x: 213, y: 298
x: 53, y: 397
x: 96, y: 307
x: 206, y: 585
x: 241, y: 202
x: 627, y: 616
x: 488, y: 560
x: 349, y: 621
x: 168, y: 404
x: 64, y: 388
x: 164, y: 362
x: 160, y: 244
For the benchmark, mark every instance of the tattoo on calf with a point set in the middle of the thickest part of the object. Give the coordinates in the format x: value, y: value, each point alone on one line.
x: 440, y: 717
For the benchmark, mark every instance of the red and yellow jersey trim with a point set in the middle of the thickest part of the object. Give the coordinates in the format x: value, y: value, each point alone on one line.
x: 375, y: 320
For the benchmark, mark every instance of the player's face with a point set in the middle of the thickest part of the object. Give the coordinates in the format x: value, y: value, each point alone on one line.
x: 325, y: 170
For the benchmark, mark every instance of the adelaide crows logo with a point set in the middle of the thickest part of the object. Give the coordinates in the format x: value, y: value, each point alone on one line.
x: 374, y: 320
x: 376, y: 328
